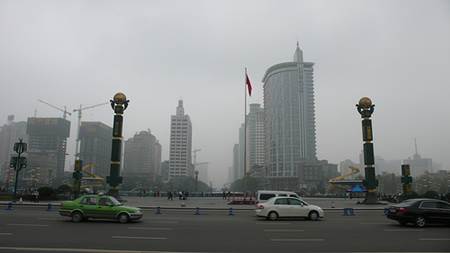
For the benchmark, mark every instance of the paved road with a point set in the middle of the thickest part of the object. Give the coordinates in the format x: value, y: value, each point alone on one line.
x: 28, y: 229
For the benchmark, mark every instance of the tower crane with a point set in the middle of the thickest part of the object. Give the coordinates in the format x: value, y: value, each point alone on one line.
x: 64, y: 111
x: 80, y: 110
x: 195, y: 151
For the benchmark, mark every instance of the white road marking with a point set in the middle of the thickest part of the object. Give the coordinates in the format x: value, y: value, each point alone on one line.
x: 298, y: 240
x: 150, y: 228
x: 85, y: 250
x: 5, y: 233
x: 165, y: 222
x: 434, y: 239
x: 284, y: 230
x: 51, y: 219
x: 139, y: 237
x: 29, y: 225
x: 402, y: 230
x: 375, y: 223
x: 273, y: 223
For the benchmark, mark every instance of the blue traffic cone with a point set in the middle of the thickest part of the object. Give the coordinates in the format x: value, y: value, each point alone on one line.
x: 230, y: 211
x: 9, y: 207
x: 197, y: 211
x: 158, y: 210
x: 49, y: 207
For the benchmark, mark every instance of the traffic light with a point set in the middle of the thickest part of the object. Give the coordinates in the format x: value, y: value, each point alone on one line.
x: 77, y: 175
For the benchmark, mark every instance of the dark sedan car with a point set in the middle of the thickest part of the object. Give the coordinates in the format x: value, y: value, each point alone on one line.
x: 420, y: 212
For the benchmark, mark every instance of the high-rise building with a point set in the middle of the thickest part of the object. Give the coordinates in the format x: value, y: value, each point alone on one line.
x: 95, y: 147
x: 255, y: 136
x: 142, y: 156
x: 242, y: 153
x: 236, y: 163
x: 47, y: 143
x: 10, y: 134
x: 165, y: 171
x: 289, y: 116
x: 180, y: 156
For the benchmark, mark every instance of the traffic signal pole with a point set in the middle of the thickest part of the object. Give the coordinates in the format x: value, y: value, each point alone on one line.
x: 18, y: 162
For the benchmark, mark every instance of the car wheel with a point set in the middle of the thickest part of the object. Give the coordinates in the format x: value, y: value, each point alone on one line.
x: 273, y: 215
x: 313, y: 215
x: 77, y: 217
x: 420, y: 222
x: 123, y: 218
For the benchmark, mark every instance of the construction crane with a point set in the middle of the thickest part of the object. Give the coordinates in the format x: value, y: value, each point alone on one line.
x: 80, y: 110
x: 64, y: 111
x: 195, y: 151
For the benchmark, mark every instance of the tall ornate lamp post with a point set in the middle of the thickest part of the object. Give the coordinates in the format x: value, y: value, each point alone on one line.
x: 119, y: 104
x: 366, y: 108
x: 18, y: 162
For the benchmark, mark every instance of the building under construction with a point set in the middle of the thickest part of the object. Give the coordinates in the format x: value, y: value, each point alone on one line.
x: 47, y: 143
x: 95, y: 146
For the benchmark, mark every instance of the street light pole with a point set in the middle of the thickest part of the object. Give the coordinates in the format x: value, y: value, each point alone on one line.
x: 119, y: 104
x: 366, y: 108
x: 18, y: 162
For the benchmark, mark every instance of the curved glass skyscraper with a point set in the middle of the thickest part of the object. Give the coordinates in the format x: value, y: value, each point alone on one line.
x: 289, y: 116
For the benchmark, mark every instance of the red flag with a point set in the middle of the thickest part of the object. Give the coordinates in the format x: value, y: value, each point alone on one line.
x: 249, y: 85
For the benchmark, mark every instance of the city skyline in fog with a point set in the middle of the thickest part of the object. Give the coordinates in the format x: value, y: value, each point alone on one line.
x: 83, y: 52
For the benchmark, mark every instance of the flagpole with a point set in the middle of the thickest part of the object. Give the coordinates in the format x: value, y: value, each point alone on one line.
x: 245, y: 123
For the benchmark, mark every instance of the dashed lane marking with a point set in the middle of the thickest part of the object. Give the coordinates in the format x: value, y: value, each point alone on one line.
x: 434, y: 239
x: 138, y: 237
x: 284, y: 230
x: 150, y: 228
x: 29, y: 225
x: 273, y: 223
x: 5, y: 233
x: 403, y: 230
x: 9, y: 249
x: 298, y: 240
x: 375, y: 223
x: 164, y: 222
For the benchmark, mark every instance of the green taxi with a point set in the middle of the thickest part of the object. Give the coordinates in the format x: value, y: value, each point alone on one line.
x: 99, y: 207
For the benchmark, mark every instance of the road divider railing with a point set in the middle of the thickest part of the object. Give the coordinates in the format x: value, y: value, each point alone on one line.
x: 197, y: 210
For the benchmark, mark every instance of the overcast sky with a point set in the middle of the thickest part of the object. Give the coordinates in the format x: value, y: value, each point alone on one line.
x: 156, y: 52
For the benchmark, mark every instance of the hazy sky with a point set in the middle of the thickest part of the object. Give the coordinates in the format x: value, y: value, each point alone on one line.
x: 83, y: 52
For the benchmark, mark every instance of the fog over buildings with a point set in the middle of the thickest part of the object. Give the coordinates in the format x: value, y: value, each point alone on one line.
x: 158, y: 52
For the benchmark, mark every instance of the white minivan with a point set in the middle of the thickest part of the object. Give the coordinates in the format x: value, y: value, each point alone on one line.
x: 263, y: 196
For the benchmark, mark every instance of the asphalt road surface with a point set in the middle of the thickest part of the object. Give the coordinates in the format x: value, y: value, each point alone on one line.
x: 27, y: 229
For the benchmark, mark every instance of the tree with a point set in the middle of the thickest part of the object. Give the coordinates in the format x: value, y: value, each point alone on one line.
x: 64, y: 189
x: 431, y: 195
x: 46, y: 193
